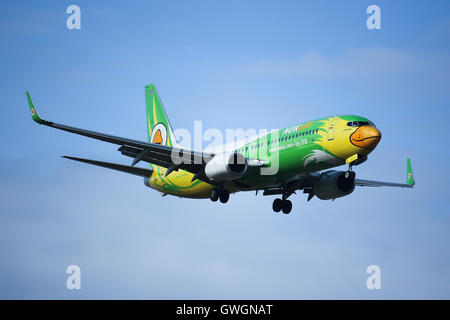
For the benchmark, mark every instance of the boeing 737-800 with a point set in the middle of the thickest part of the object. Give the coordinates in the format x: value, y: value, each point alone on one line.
x: 297, y: 157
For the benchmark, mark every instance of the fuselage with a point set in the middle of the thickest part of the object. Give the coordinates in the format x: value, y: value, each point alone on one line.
x: 288, y: 152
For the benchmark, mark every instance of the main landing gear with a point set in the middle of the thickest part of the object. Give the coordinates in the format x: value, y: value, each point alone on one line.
x: 219, y: 194
x: 282, y: 205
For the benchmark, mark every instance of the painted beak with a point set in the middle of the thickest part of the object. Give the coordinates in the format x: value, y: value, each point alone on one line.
x: 366, y: 137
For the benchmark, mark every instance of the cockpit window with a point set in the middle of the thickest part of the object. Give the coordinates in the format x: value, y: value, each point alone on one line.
x: 360, y: 123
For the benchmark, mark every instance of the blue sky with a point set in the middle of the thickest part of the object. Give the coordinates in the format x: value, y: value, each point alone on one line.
x: 231, y: 64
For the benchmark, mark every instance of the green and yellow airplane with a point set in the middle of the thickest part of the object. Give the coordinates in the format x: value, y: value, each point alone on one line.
x: 294, y: 158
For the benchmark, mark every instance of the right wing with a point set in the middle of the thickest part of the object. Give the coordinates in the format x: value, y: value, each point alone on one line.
x: 173, y: 158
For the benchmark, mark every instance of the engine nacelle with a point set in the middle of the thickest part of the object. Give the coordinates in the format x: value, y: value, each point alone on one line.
x: 334, y: 184
x: 226, y: 166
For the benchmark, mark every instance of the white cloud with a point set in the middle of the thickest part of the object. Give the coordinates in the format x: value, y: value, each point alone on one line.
x: 356, y: 62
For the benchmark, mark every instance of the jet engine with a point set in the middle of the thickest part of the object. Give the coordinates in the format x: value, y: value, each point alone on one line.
x: 226, y: 166
x: 334, y: 184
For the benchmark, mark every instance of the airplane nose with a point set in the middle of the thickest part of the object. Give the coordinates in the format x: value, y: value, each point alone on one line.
x: 366, y: 137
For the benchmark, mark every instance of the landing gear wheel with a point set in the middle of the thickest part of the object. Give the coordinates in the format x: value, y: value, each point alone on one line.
x: 287, y: 206
x: 224, y: 196
x: 214, y: 196
x: 350, y: 174
x: 277, y: 205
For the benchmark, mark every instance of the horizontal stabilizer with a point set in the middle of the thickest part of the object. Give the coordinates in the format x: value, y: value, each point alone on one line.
x: 115, y: 166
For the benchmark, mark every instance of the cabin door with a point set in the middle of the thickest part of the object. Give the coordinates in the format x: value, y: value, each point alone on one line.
x: 331, y: 128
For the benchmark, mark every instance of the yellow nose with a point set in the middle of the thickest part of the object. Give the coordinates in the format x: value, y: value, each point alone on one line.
x: 366, y: 137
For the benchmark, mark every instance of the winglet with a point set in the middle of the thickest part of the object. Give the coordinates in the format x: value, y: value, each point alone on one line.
x: 409, y: 175
x: 34, y: 114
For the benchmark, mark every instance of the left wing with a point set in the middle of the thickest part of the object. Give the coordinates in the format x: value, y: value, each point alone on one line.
x: 307, y: 182
x: 409, y: 180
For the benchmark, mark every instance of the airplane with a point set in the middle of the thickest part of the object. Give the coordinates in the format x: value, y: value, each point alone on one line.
x: 300, y: 156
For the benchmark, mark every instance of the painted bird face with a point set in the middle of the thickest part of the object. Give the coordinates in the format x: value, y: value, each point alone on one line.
x: 366, y: 136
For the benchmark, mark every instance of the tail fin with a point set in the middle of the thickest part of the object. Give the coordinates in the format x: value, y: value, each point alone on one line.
x: 158, y: 126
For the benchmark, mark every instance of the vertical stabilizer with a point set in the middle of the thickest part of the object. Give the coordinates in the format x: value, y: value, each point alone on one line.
x: 159, y: 130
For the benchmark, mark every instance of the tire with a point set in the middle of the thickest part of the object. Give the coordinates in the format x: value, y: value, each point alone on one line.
x: 350, y: 174
x: 287, y: 206
x: 224, y: 196
x: 214, y: 196
x: 277, y: 205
